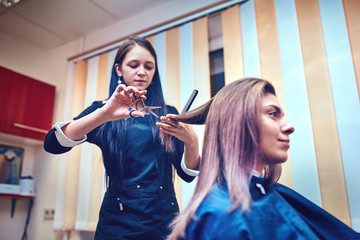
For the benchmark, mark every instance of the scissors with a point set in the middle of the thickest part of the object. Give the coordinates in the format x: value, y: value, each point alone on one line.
x: 145, y: 107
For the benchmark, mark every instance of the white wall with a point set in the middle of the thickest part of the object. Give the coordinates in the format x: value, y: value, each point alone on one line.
x: 170, y: 10
x: 51, y: 67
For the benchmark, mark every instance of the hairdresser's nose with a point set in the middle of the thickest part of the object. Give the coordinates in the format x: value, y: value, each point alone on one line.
x: 287, y: 128
x: 141, y: 70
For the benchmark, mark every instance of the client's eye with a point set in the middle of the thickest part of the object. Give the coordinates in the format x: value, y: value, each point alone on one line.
x: 274, y: 114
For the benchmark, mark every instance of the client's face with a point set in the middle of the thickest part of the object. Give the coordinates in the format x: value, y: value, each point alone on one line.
x: 274, y: 130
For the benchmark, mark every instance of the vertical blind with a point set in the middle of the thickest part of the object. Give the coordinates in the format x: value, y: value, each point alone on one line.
x: 310, y: 51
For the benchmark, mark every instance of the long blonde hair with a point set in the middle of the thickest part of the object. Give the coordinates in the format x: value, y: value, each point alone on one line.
x: 231, y: 145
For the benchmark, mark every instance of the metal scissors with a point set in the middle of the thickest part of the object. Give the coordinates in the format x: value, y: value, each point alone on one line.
x: 145, y: 107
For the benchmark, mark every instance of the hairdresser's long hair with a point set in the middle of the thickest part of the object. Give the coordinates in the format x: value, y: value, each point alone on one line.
x: 231, y: 146
x: 114, y: 132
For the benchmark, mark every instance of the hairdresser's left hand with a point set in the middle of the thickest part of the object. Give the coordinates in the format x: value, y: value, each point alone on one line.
x: 181, y: 131
x: 185, y: 133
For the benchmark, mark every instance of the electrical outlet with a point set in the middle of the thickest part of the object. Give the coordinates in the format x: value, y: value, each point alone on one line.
x: 49, y: 214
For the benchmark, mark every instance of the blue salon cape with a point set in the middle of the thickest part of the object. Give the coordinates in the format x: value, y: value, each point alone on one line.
x: 277, y: 212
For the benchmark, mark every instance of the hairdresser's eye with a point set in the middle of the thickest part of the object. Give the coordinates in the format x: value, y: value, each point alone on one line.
x: 133, y: 65
x: 149, y: 66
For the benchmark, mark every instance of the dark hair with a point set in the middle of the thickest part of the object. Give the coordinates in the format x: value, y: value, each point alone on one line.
x: 114, y: 131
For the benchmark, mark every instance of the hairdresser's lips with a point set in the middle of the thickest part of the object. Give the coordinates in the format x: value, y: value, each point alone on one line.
x: 140, y: 84
x: 140, y: 81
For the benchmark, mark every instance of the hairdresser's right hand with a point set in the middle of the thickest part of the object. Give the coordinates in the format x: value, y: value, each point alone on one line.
x: 117, y: 107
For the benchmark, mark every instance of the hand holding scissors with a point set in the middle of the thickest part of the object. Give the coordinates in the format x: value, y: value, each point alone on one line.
x: 145, y: 107
x: 117, y: 106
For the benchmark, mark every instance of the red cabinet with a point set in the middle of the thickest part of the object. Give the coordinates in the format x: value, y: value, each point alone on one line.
x: 26, y: 104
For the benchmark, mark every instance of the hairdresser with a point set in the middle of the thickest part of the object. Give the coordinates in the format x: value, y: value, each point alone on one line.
x: 140, y: 150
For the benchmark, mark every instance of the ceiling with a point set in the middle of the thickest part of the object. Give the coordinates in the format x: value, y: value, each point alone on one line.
x: 47, y: 24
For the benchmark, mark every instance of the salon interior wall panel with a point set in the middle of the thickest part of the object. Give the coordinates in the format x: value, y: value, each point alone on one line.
x: 83, y: 200
x: 172, y: 94
x: 79, y: 87
x: 90, y: 182
x: 61, y: 193
x: 64, y: 158
x: 159, y: 44
x: 303, y: 157
x: 186, y: 64
x: 328, y: 152
x: 345, y: 96
x: 83, y: 191
x: 201, y: 82
x: 71, y: 177
x: 270, y: 62
x: 151, y: 40
x: 352, y: 10
x: 92, y: 81
x: 102, y: 78
x: 172, y: 82
x: 84, y: 174
x: 201, y: 57
x: 97, y: 185
x: 98, y: 180
x: 249, y: 39
x: 96, y: 175
x: 111, y: 57
x: 233, y: 63
x: 71, y: 190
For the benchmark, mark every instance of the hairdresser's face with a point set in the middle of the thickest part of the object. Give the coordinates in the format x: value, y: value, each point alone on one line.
x: 274, y: 131
x: 137, y: 68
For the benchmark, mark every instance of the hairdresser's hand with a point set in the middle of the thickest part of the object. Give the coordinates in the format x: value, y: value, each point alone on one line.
x: 181, y: 131
x: 185, y: 133
x: 117, y: 107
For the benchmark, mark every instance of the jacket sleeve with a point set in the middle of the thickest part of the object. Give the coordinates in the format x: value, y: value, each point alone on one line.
x: 54, y: 140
